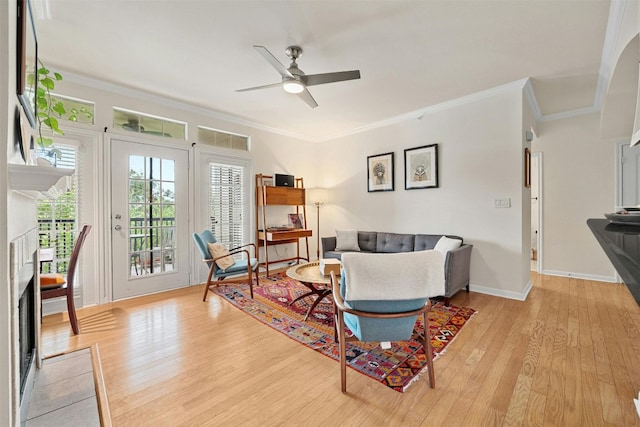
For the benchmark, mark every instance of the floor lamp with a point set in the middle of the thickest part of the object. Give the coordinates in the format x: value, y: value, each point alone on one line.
x: 318, y: 197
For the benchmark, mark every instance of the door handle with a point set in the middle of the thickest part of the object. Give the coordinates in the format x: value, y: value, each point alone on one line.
x: 117, y: 228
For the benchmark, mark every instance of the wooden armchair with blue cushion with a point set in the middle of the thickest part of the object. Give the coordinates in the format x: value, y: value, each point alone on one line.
x: 380, y: 296
x: 222, y: 265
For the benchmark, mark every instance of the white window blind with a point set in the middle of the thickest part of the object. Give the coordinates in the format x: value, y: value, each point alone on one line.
x: 227, y: 204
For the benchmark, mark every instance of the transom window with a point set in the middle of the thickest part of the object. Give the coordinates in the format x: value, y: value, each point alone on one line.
x: 133, y: 121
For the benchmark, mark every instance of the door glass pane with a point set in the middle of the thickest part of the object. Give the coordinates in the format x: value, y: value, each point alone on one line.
x: 152, y: 247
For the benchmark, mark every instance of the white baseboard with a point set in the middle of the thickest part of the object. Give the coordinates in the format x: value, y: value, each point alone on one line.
x: 520, y: 296
x: 609, y: 279
x: 59, y: 305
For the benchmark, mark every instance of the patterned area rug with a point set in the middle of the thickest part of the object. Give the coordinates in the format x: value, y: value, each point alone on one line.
x: 396, y: 367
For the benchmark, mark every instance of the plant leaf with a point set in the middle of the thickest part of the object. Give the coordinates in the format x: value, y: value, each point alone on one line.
x: 48, y: 83
x: 59, y: 108
x: 58, y: 76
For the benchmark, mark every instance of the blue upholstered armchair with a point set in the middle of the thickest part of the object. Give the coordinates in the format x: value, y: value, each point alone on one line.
x: 380, y: 296
x: 247, y: 265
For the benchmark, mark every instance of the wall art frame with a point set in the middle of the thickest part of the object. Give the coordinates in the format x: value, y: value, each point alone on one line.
x: 421, y: 167
x: 380, y: 172
x: 527, y: 167
x: 27, y: 61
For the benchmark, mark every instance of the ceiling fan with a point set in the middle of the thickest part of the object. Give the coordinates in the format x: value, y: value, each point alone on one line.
x: 294, y: 80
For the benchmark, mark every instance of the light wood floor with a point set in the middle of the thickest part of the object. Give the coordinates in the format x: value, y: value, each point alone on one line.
x: 568, y: 356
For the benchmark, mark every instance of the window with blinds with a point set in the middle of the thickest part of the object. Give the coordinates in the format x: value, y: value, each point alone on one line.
x: 57, y: 218
x: 227, y: 205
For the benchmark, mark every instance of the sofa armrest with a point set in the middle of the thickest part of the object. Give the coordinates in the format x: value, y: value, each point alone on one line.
x: 328, y: 244
x: 456, y: 266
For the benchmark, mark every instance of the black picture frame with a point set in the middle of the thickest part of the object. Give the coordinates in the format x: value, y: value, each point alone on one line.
x: 527, y: 167
x: 27, y: 61
x: 421, y: 167
x: 380, y: 173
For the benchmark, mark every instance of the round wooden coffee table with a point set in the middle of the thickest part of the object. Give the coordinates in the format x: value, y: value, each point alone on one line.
x: 318, y: 284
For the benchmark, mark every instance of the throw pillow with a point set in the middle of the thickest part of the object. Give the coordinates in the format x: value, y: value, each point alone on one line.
x: 446, y: 244
x: 347, y: 240
x: 217, y: 250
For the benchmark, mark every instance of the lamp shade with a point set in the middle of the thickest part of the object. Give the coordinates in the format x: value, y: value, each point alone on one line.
x: 318, y: 196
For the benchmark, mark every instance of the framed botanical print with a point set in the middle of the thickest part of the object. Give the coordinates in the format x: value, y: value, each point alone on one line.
x: 27, y: 61
x: 380, y: 172
x: 421, y: 167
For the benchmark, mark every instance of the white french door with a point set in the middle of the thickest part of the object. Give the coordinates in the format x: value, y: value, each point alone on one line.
x: 149, y: 218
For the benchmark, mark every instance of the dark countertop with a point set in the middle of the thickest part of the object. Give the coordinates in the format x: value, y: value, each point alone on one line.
x: 621, y: 243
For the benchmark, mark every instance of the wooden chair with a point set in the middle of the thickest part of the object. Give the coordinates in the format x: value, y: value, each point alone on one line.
x: 248, y: 265
x: 55, y: 286
x: 387, y: 314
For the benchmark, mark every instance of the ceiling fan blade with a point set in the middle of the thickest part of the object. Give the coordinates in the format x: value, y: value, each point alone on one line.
x: 273, y: 61
x: 306, y: 97
x: 259, y: 87
x: 319, y: 79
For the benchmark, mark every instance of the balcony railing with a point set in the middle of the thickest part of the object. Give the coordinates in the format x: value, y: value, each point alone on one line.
x: 60, y: 234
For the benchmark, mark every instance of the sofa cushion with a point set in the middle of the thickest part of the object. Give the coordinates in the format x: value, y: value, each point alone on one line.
x: 426, y: 242
x: 367, y: 240
x: 347, y: 240
x: 445, y: 244
x: 392, y: 242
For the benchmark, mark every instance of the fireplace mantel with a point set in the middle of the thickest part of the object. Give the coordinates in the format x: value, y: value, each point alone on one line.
x: 35, y: 180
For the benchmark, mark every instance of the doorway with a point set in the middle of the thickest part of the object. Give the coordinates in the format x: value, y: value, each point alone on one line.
x: 149, y: 218
x: 536, y: 212
x: 628, y: 159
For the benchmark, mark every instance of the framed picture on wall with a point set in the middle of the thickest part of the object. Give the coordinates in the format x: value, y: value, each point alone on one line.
x: 421, y: 167
x: 527, y: 168
x: 27, y: 61
x: 380, y: 172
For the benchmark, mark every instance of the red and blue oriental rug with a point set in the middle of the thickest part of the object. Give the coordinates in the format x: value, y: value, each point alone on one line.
x: 396, y: 367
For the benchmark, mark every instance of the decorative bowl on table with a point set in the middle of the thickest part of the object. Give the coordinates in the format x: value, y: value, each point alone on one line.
x: 626, y: 216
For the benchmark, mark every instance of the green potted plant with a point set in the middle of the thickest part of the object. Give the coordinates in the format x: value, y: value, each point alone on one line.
x: 50, y: 109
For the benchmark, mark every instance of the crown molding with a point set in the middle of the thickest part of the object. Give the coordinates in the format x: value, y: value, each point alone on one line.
x: 173, y: 103
x: 418, y: 114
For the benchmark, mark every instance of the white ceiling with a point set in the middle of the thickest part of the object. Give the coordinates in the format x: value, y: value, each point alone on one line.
x: 411, y: 54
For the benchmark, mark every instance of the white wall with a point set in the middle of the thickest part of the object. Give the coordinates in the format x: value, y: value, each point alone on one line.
x: 579, y: 183
x: 17, y: 216
x: 7, y: 81
x: 480, y: 159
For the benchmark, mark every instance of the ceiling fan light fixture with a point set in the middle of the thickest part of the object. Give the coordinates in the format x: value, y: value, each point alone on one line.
x: 293, y: 86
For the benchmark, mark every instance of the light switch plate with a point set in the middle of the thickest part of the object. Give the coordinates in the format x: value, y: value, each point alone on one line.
x: 502, y: 203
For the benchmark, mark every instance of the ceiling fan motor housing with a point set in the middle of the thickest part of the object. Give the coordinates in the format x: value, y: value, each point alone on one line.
x: 293, y: 52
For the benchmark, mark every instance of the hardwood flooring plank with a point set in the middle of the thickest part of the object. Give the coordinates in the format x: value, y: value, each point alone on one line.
x: 569, y: 353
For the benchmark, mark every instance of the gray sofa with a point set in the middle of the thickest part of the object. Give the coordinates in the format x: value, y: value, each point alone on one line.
x: 456, y: 264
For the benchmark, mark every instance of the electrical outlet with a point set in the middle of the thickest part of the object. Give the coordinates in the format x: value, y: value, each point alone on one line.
x: 502, y: 203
